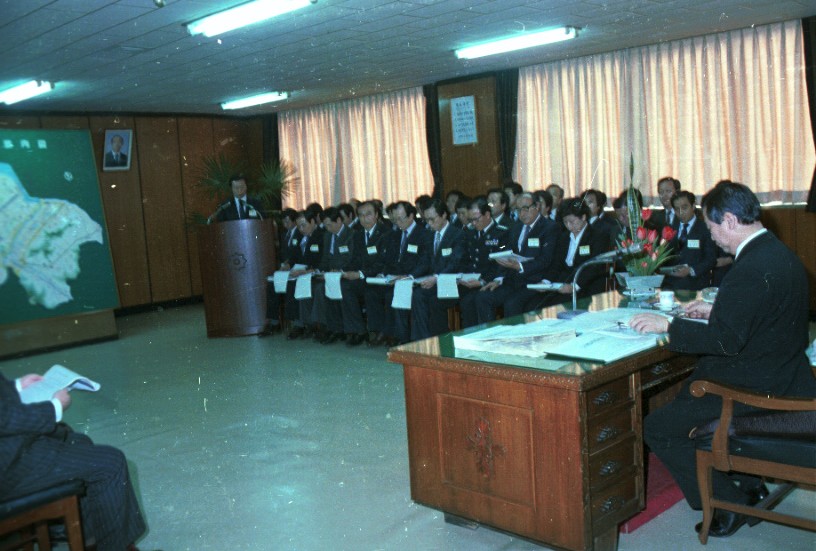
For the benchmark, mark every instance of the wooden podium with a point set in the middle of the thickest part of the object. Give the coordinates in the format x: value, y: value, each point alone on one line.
x: 236, y: 257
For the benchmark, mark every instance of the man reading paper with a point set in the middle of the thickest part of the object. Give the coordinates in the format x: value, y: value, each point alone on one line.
x: 755, y: 338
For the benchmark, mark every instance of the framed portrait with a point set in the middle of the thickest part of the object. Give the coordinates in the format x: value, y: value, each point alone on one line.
x: 117, y: 150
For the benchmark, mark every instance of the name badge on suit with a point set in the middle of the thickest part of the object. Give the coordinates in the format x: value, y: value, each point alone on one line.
x: 533, y: 242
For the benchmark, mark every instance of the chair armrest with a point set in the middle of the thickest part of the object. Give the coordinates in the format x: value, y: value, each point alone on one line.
x: 755, y: 399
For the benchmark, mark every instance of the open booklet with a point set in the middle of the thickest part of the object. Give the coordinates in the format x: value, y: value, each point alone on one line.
x: 603, y: 336
x: 508, y: 255
x: 54, y: 380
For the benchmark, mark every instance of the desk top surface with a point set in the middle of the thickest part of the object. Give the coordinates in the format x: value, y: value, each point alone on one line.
x: 441, y: 353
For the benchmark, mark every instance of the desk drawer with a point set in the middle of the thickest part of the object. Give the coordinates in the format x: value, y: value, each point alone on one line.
x: 606, y: 397
x: 669, y: 370
x: 611, y: 501
x: 606, y: 466
x: 605, y: 431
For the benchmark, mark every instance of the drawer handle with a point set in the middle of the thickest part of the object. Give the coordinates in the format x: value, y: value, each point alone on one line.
x: 610, y: 467
x: 605, y: 398
x: 659, y: 369
x: 607, y: 433
x: 612, y: 504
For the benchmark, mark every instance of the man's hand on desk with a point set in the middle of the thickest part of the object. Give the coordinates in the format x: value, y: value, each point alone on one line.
x: 698, y: 309
x: 649, y: 323
x: 511, y: 264
x: 471, y: 283
x: 490, y: 286
x: 428, y: 283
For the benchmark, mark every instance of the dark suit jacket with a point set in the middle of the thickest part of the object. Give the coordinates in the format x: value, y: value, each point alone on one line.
x: 450, y: 256
x: 608, y: 225
x: 343, y: 254
x: 20, y: 425
x: 757, y: 332
x: 593, y: 278
x: 368, y: 258
x: 110, y: 160
x: 313, y: 254
x: 229, y: 211
x: 545, y: 232
x: 479, y: 248
x: 416, y: 260
x: 699, y: 252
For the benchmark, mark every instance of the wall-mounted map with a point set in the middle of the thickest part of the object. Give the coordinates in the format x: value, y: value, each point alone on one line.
x: 54, y: 251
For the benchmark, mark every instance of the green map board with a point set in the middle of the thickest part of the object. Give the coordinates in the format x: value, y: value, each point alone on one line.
x: 55, y: 255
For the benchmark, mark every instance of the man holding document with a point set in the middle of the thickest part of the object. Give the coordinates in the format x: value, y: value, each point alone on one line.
x: 755, y: 338
x: 37, y: 452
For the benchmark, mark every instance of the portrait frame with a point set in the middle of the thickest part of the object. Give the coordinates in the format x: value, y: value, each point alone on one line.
x: 109, y: 161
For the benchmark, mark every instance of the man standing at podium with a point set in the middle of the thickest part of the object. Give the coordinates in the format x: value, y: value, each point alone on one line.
x: 241, y: 206
x: 755, y: 338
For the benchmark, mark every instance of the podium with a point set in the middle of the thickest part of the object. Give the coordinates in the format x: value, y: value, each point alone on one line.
x: 235, y: 259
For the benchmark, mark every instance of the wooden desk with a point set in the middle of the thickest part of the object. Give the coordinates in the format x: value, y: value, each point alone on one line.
x: 553, y: 455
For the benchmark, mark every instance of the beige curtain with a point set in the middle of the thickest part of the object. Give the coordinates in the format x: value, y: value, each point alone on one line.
x: 731, y: 105
x: 366, y: 148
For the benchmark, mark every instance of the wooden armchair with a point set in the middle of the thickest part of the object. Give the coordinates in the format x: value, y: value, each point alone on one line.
x: 24, y: 519
x: 779, y: 444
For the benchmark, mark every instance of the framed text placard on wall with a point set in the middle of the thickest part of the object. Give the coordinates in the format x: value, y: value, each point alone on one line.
x: 463, y: 120
x: 56, y: 258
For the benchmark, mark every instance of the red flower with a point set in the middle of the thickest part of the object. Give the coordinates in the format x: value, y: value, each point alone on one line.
x: 668, y: 233
x: 647, y: 248
x: 644, y: 264
x: 652, y: 237
x: 645, y: 214
x: 641, y: 233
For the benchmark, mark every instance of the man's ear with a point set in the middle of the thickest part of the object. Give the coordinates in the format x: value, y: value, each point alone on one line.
x: 730, y: 221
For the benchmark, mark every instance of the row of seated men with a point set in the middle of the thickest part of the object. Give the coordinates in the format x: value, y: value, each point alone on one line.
x: 417, y: 241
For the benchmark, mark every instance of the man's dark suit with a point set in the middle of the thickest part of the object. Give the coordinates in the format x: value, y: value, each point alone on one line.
x: 480, y: 245
x: 250, y: 209
x: 755, y: 339
x: 287, y: 241
x: 699, y: 252
x: 429, y: 314
x: 340, y: 259
x: 592, y: 279
x: 414, y: 259
x: 539, y: 245
x: 36, y: 452
x: 368, y: 259
x: 309, y: 252
x: 112, y: 161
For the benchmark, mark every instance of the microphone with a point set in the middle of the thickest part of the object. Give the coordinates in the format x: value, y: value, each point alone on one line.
x: 219, y: 209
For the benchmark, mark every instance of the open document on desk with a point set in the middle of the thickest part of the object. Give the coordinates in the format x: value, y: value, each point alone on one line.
x: 603, y: 336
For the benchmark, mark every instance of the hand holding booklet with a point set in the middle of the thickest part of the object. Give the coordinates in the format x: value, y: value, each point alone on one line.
x: 55, y: 379
x: 508, y: 255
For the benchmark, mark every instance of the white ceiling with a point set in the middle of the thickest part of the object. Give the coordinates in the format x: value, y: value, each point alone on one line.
x: 129, y: 56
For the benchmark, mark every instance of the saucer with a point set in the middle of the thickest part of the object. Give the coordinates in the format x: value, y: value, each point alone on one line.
x: 639, y: 293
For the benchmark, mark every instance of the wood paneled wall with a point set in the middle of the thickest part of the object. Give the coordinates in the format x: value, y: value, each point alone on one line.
x: 147, y: 208
x: 472, y: 168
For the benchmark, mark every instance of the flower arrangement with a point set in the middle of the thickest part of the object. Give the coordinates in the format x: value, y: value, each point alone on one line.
x: 644, y: 250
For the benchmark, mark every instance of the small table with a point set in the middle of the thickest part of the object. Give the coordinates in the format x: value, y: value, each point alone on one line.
x: 548, y: 449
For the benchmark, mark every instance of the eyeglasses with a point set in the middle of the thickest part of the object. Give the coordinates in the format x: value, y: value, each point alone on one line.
x: 525, y: 208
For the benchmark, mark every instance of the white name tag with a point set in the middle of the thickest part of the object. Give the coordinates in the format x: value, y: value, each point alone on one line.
x: 372, y: 249
x: 315, y: 248
x: 412, y: 249
x: 343, y: 249
x: 533, y: 242
x: 294, y: 241
x: 693, y: 243
x: 583, y: 250
x: 446, y: 252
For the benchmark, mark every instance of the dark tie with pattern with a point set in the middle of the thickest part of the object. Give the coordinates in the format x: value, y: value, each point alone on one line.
x: 437, y: 239
x: 683, y: 237
x: 403, y: 243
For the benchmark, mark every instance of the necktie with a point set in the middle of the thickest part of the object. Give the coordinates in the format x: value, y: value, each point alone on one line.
x: 240, y: 208
x: 367, y: 236
x: 331, y: 251
x: 437, y: 239
x: 303, y: 244
x: 523, y: 237
x: 403, y: 242
x: 683, y: 237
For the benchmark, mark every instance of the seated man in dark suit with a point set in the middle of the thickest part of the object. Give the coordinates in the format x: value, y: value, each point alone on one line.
x: 695, y: 254
x: 581, y: 242
x: 666, y: 188
x: 37, y: 452
x: 338, y: 251
x: 599, y: 219
x: 429, y: 314
x: 755, y: 339
x: 241, y: 206
x: 534, y: 237
x: 288, y: 238
x: 308, y: 253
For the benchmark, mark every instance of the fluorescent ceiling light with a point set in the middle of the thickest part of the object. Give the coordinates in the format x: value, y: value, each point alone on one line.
x: 243, y: 15
x: 255, y: 100
x: 517, y: 42
x: 24, y: 91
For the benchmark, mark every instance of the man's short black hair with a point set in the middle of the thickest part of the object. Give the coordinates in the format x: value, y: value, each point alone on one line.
x: 407, y: 207
x: 545, y: 196
x: 456, y: 192
x: 600, y: 197
x: 289, y: 213
x: 733, y: 197
x: 575, y: 206
x: 674, y: 181
x: 346, y: 209
x: 462, y: 202
x: 438, y: 205
x: 505, y: 200
x: 479, y: 202
x: 514, y: 187
x: 333, y: 214
x: 308, y: 215
x: 683, y: 193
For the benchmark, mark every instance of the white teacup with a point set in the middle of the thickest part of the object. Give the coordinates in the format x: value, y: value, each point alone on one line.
x: 666, y: 300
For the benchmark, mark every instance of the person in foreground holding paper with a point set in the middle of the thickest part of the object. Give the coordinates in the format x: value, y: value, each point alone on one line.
x: 37, y: 451
x: 755, y: 338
